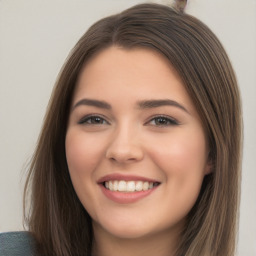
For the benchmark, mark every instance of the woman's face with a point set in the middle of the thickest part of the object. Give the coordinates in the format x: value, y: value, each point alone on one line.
x: 135, y: 146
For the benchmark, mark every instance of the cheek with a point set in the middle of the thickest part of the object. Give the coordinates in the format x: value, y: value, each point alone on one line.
x: 183, y: 153
x: 82, y: 159
x: 83, y: 156
x: 183, y: 161
x: 82, y: 153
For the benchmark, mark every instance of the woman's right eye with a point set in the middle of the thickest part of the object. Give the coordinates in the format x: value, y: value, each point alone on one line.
x: 92, y: 120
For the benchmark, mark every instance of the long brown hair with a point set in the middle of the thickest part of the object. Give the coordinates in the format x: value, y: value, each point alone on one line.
x: 58, y: 220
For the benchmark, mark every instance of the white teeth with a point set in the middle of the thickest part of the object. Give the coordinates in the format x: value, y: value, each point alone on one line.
x: 122, y: 186
x: 128, y: 186
x: 139, y: 186
x: 110, y: 185
x: 145, y: 185
x: 115, y: 185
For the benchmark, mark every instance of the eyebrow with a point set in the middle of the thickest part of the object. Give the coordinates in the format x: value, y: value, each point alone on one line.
x: 145, y: 104
x: 94, y: 103
x: 160, y: 103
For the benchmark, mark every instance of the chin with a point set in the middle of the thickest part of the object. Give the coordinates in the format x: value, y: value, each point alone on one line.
x: 125, y: 229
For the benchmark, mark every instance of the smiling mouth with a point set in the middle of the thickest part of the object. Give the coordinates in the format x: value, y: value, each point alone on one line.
x: 129, y: 186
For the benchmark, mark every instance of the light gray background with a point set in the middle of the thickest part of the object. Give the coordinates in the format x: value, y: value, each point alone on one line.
x: 35, y: 38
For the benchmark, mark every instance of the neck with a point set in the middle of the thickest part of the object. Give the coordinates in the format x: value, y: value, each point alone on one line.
x: 160, y: 244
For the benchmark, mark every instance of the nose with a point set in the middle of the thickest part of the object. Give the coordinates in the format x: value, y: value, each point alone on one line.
x: 125, y: 146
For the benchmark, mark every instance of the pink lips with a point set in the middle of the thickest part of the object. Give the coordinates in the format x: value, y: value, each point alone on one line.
x: 124, y: 177
x: 125, y: 197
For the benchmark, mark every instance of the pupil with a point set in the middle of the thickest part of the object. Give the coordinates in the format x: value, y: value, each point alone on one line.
x: 96, y: 120
x: 161, y: 120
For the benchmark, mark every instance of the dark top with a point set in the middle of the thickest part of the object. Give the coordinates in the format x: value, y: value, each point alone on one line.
x: 17, y: 244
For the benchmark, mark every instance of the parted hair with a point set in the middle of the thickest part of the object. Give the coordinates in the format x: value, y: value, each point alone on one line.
x: 54, y: 214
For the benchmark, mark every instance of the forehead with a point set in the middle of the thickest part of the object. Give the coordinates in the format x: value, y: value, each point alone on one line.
x: 138, y: 72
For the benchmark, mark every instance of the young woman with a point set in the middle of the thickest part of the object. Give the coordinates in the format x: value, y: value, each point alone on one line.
x: 140, y: 149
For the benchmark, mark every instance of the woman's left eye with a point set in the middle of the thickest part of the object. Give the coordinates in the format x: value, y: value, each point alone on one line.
x: 162, y: 121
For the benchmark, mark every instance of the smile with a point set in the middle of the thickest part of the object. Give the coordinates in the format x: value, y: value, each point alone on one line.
x: 126, y: 189
x: 129, y: 186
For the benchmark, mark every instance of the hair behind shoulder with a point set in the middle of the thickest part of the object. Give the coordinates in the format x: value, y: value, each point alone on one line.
x: 60, y: 223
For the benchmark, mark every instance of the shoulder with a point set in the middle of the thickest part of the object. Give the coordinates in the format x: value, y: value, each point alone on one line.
x: 17, y: 244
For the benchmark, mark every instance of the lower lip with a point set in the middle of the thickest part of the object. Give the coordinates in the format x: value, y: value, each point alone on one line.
x: 126, y: 198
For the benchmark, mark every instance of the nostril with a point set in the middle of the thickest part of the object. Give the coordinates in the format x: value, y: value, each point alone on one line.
x: 124, y: 154
x: 124, y: 146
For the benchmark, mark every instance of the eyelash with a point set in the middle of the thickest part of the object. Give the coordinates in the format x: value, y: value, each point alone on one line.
x: 168, y: 121
x: 87, y: 120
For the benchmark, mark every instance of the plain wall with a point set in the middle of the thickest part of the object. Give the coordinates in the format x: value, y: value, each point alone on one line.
x: 35, y: 38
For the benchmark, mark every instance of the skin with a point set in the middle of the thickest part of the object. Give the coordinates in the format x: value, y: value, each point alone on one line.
x: 131, y: 139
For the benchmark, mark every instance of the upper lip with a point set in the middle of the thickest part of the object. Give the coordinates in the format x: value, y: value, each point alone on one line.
x: 118, y: 176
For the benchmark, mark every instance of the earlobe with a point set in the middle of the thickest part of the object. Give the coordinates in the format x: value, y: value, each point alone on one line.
x: 209, y: 166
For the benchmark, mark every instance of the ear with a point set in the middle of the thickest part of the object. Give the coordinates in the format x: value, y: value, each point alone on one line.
x: 209, y: 165
x: 208, y: 169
